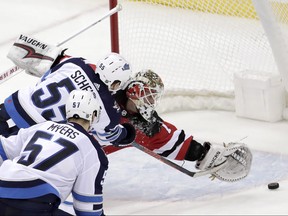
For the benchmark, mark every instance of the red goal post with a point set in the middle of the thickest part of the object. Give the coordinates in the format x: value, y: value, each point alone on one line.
x: 114, y: 31
x: 197, y: 47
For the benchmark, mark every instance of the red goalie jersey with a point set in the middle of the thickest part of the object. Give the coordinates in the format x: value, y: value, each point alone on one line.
x: 137, y: 103
x: 168, y: 141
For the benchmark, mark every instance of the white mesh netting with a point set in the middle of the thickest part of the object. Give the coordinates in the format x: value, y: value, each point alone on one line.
x: 196, y: 47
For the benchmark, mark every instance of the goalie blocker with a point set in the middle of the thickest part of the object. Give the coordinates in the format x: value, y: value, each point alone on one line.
x: 235, y: 160
x: 32, y: 55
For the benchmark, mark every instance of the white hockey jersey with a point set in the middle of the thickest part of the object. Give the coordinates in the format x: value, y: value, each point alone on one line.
x: 46, y: 100
x: 54, y: 158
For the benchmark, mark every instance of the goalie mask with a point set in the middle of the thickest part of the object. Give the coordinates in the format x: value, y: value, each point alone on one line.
x: 145, y: 91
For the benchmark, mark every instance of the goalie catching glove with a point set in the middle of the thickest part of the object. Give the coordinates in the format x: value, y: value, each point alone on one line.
x: 234, y: 161
x: 32, y: 55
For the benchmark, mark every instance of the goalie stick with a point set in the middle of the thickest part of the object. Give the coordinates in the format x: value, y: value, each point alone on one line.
x: 4, y: 76
x: 176, y: 166
x: 169, y: 163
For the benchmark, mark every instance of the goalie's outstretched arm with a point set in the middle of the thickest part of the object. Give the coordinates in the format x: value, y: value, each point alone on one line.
x: 227, y: 163
x: 164, y: 141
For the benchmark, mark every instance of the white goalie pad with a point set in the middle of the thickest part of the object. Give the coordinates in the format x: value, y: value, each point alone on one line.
x: 238, y: 164
x: 32, y: 55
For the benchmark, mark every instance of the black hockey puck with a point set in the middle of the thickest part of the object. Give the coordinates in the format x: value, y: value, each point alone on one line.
x: 273, y: 185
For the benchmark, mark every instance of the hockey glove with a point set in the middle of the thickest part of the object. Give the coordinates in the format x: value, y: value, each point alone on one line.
x: 236, y: 157
x: 127, y: 137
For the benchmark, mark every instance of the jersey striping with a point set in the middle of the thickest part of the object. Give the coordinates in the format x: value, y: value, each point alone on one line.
x: 54, y: 158
x: 46, y: 100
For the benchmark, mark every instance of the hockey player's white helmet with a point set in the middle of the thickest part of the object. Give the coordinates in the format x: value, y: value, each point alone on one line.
x: 113, y: 68
x: 145, y: 90
x: 82, y: 104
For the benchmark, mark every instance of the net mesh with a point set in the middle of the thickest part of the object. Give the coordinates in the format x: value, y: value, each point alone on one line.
x: 196, y: 47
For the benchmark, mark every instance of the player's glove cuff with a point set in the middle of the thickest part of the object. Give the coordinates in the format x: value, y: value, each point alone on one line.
x: 128, y: 135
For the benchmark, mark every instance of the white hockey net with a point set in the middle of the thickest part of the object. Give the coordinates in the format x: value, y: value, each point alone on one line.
x: 196, y: 47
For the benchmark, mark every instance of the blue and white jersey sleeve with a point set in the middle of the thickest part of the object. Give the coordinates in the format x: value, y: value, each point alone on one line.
x: 10, y: 148
x: 87, y: 190
x: 112, y: 134
x: 46, y: 100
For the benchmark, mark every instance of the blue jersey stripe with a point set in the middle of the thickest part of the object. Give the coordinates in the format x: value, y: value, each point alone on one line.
x: 68, y: 202
x: 81, y: 198
x: 15, y: 111
x: 27, y: 193
x: 2, y: 152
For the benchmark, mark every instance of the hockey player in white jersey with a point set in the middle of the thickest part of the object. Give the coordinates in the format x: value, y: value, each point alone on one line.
x: 46, y: 162
x: 46, y: 100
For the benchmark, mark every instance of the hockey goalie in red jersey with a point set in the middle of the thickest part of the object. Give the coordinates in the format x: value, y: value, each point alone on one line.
x: 138, y: 101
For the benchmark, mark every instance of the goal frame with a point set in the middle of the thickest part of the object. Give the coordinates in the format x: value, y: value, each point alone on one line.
x: 114, y: 31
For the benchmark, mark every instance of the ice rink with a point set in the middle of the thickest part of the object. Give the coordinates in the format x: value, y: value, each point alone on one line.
x: 136, y: 183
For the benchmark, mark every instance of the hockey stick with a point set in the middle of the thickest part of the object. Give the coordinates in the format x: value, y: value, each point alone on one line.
x: 16, y: 70
x: 176, y: 166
